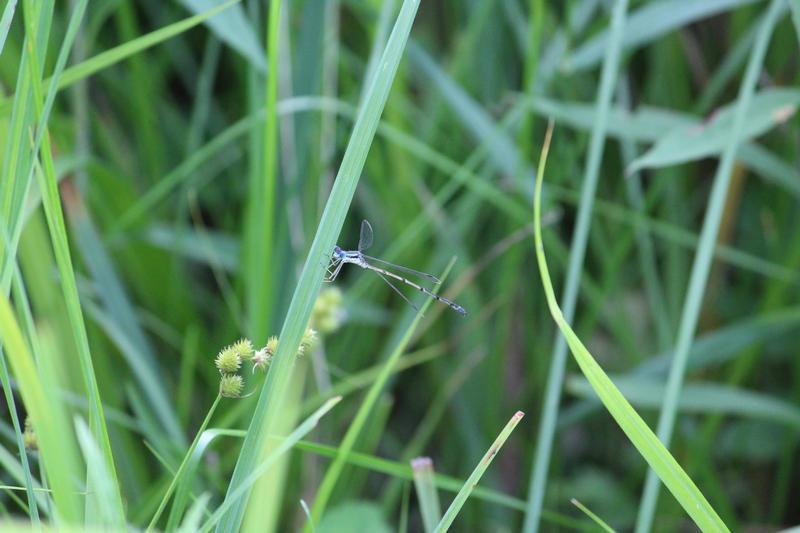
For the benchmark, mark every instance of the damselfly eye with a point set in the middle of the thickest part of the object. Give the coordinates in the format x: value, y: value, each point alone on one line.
x: 337, y: 250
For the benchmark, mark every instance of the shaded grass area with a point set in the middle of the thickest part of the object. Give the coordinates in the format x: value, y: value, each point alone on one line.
x: 175, y: 176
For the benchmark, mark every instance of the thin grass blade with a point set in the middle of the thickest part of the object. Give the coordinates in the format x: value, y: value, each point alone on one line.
x: 596, y: 519
x: 580, y: 237
x: 287, y: 443
x: 702, y: 261
x: 475, y: 477
x: 330, y: 226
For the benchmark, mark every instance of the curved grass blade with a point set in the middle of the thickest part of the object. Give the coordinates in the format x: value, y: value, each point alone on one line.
x: 640, y: 435
x: 577, y: 252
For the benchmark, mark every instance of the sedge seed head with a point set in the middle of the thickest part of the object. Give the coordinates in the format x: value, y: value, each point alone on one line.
x: 231, y: 385
x: 228, y: 360
x: 272, y: 345
x: 243, y: 348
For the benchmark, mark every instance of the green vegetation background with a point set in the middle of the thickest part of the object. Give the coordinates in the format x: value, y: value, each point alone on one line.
x: 173, y: 182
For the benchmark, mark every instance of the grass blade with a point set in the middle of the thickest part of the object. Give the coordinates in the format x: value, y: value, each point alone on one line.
x: 768, y: 109
x: 794, y: 4
x: 472, y: 480
x: 641, y: 436
x: 5, y: 22
x: 177, y: 478
x: 702, y: 260
x: 330, y: 226
x: 596, y: 519
x: 259, y: 232
x: 58, y: 235
x: 648, y: 23
x: 705, y: 398
x: 233, y: 28
x: 121, y: 313
x: 46, y: 414
x: 192, y: 521
x: 287, y: 443
x: 102, y: 482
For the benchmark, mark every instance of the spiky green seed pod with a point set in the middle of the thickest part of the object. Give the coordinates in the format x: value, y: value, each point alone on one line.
x: 272, y: 345
x: 244, y: 348
x: 228, y: 360
x: 231, y: 385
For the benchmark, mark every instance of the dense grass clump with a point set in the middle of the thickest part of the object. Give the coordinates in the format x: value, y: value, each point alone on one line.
x: 175, y: 177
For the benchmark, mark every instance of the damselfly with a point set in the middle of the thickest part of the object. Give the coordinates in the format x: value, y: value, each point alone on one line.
x: 357, y: 257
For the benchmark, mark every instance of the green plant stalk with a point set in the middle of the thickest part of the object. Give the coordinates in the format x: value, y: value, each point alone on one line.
x: 328, y: 484
x: 330, y: 225
x: 176, y: 478
x: 702, y: 261
x: 264, y: 511
x: 260, y: 231
x: 555, y: 378
x: 640, y: 435
x: 472, y: 481
x: 596, y: 519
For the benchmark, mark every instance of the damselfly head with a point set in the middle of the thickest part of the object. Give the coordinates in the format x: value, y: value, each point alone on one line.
x: 337, y: 251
